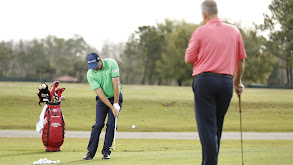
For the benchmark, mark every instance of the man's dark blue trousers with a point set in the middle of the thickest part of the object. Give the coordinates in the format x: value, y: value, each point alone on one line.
x: 212, y: 96
x: 101, y: 112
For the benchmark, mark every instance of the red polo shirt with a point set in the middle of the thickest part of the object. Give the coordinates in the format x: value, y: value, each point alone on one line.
x: 215, y: 47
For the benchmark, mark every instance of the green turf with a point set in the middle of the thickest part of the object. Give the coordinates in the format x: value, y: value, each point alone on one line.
x: 150, y: 108
x: 14, y: 151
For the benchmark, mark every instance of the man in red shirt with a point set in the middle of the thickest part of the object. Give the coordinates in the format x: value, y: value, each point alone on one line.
x: 217, y: 52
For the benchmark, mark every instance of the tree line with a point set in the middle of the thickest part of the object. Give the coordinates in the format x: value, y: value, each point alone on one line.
x: 43, y: 59
x: 154, y: 55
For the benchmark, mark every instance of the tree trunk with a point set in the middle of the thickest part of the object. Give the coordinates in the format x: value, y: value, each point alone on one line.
x: 1, y: 73
x: 288, y: 74
x: 144, y: 75
x: 151, y: 75
x: 160, y: 81
x: 291, y: 76
x: 179, y: 82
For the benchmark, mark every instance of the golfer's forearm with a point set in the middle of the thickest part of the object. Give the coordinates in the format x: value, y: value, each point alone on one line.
x: 239, y: 71
x: 115, y: 82
x: 190, y: 56
x: 192, y: 50
x: 103, y: 98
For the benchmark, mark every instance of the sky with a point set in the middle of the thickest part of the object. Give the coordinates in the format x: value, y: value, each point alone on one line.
x: 100, y: 21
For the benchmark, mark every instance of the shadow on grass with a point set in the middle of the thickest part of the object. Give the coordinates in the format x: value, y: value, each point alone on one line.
x: 79, y: 162
x: 134, y: 151
x: 22, y: 154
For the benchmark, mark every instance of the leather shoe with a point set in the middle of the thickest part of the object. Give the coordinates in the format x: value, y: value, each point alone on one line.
x: 106, y: 156
x: 88, y: 156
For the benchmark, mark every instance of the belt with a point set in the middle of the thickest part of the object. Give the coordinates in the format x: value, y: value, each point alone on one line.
x: 215, y: 74
x: 97, y: 97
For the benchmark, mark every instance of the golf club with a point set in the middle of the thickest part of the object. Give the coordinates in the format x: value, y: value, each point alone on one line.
x: 115, y: 133
x: 241, y: 128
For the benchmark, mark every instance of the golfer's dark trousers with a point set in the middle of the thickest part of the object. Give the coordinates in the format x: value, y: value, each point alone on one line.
x: 212, y: 96
x: 101, y: 112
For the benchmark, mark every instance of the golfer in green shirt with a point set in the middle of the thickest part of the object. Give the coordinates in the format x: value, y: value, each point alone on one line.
x: 103, y: 77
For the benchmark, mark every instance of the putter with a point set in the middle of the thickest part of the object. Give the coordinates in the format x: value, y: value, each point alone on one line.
x: 241, y: 128
x: 115, y: 133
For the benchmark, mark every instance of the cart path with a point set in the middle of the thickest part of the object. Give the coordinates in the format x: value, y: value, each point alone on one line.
x: 158, y: 135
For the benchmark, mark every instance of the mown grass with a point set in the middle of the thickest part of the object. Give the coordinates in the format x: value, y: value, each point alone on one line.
x: 150, y: 108
x: 15, y: 151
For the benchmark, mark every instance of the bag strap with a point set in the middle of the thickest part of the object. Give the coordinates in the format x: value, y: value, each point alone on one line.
x: 63, y: 129
x: 48, y: 126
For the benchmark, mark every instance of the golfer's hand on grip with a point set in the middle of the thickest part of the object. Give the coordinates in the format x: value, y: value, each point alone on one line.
x: 117, y: 106
x: 116, y: 109
x: 115, y: 112
x: 238, y: 87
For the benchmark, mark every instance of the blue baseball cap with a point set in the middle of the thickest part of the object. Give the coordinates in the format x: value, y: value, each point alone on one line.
x: 93, y: 60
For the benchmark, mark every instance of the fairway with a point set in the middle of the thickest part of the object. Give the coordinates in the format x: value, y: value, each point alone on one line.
x: 149, y: 108
x: 15, y: 151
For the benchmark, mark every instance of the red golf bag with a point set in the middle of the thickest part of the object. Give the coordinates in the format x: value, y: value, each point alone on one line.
x: 54, y: 127
x: 53, y: 124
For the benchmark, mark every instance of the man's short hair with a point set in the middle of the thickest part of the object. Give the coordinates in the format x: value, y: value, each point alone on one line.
x: 209, y: 7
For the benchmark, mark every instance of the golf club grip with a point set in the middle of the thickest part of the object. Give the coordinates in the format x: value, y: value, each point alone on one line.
x: 240, y: 104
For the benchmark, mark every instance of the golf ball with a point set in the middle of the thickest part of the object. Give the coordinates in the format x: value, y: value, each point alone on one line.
x: 133, y: 126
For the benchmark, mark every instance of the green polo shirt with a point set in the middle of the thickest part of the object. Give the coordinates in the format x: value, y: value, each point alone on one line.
x: 103, y: 78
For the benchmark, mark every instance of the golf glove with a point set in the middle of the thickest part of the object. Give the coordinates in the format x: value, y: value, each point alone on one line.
x: 117, y: 107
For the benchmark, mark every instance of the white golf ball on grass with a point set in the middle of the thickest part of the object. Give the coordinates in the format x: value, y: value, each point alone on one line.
x: 133, y: 126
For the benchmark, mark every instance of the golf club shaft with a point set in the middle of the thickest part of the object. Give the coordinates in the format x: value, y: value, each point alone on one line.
x: 241, y: 128
x: 115, y: 133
